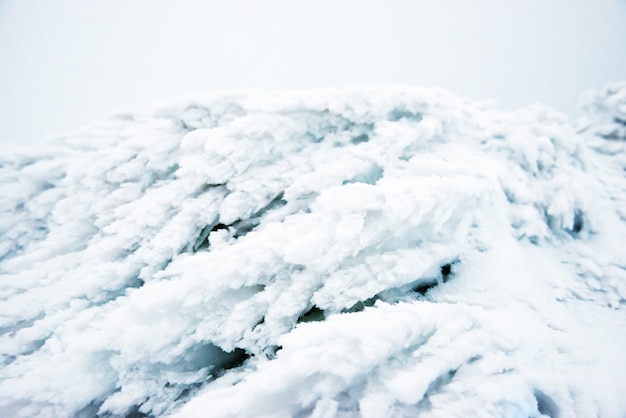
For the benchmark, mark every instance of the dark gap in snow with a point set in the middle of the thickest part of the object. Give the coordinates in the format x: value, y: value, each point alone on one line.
x: 26, y: 323
x: 218, y: 226
x: 136, y: 283
x: 557, y: 227
x: 348, y: 400
x: 130, y: 248
x: 408, y: 291
x: 11, y: 251
x: 192, y: 117
x: 295, y: 268
x: 510, y: 197
x: 397, y: 114
x: 546, y: 404
x: 423, y: 288
x: 359, y: 139
x: 312, y: 315
x: 446, y: 269
x: 207, y: 356
x: 91, y: 410
x: 319, y: 124
x: 110, y: 295
x: 167, y: 173
x: 259, y: 322
x: 245, y: 226
x: 540, y: 166
x: 305, y: 412
x: 314, y: 138
x: 435, y: 387
x: 240, y: 227
x: 275, y: 203
x: 6, y: 359
x: 360, y: 305
x: 231, y: 360
x: 213, y: 357
x: 187, y: 392
x: 370, y: 176
x: 322, y: 123
x: 163, y: 264
x: 474, y: 359
x: 45, y: 185
x: 136, y: 413
x: 33, y: 346
x: 184, y: 126
x: 615, y: 135
x: 272, y: 351
x: 201, y: 241
x: 578, y: 222
x: 208, y: 186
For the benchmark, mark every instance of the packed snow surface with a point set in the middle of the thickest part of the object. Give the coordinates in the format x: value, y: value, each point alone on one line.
x: 372, y: 251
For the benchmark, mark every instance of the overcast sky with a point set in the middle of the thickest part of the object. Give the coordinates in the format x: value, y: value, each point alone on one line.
x: 64, y: 63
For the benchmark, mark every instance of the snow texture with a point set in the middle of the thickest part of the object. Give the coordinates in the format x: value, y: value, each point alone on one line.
x: 372, y: 251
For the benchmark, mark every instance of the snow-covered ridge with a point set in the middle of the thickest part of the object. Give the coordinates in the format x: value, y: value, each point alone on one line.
x: 374, y: 251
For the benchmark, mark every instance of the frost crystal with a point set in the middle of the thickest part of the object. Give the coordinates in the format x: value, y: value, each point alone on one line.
x: 374, y: 252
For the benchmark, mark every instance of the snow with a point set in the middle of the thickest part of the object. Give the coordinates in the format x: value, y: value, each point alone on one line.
x: 369, y: 251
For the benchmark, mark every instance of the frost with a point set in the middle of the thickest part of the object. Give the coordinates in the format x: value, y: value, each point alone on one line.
x: 373, y: 251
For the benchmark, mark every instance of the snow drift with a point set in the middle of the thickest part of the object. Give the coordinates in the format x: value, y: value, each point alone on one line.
x: 374, y: 252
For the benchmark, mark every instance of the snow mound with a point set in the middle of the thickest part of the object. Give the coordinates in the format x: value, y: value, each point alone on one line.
x: 372, y: 251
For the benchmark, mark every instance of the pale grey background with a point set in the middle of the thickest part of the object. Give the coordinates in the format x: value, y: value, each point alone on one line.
x: 64, y: 63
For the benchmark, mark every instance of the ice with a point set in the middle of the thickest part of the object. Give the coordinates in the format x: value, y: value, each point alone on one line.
x: 367, y: 251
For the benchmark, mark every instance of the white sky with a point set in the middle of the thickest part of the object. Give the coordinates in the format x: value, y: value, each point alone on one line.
x: 64, y: 63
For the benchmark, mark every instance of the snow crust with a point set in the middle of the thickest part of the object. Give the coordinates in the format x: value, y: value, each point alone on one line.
x: 371, y: 251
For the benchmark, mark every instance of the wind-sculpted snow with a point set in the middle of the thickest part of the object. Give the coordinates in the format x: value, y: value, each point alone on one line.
x: 374, y: 252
